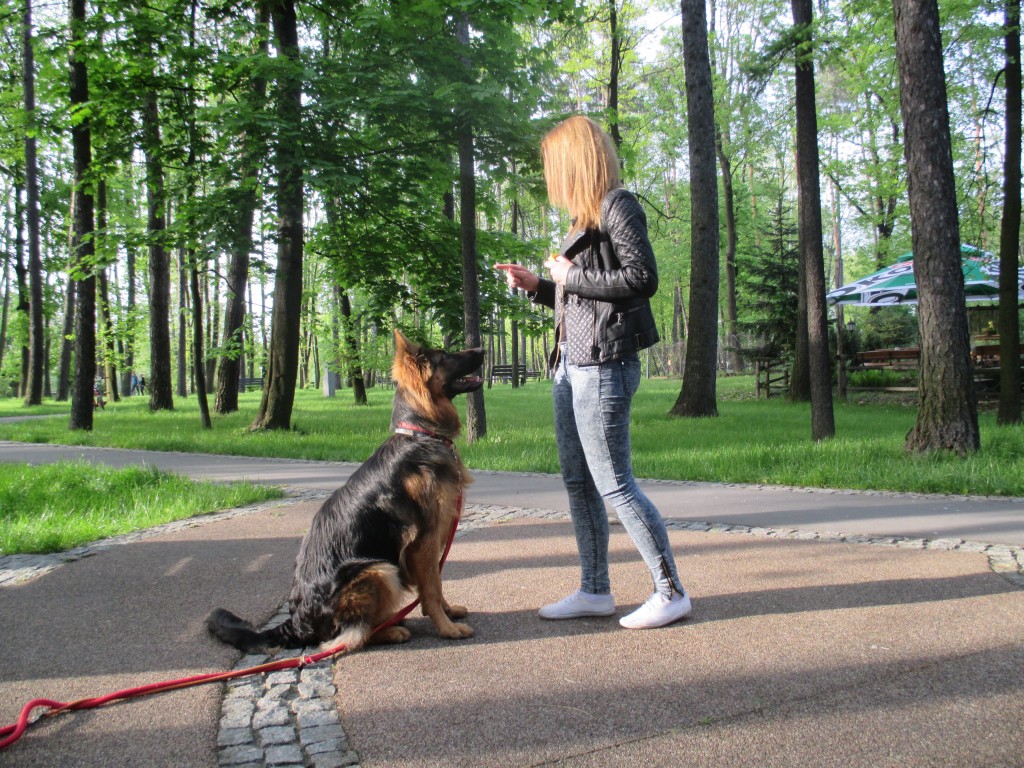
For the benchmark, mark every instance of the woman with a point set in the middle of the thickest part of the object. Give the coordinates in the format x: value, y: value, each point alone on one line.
x: 600, y: 286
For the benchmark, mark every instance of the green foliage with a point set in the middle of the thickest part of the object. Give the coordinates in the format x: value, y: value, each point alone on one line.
x: 884, y: 328
x: 388, y: 84
x: 770, y: 278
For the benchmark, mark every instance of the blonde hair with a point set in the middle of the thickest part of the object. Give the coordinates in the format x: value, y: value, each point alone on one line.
x: 580, y: 167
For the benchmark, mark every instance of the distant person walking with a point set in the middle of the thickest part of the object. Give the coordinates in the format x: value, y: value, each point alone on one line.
x: 600, y: 286
x: 135, y: 384
x: 97, y: 395
x: 142, y: 385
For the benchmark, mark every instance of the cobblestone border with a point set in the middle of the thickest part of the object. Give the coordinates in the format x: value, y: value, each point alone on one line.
x: 283, y: 718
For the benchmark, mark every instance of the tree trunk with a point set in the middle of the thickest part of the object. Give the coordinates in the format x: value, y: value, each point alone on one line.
x: 837, y: 246
x: 81, y: 234
x: 731, y: 312
x: 283, y: 359
x: 514, y: 329
x: 697, y: 397
x: 181, y: 369
x: 350, y: 341
x: 800, y: 379
x: 678, y: 328
x: 159, y: 380
x: 197, y: 346
x: 47, y: 380
x: 229, y: 363
x: 129, y: 343
x: 812, y: 258
x: 613, y: 74
x: 6, y: 288
x: 212, y: 282
x: 103, y: 300
x: 36, y: 332
x: 476, y: 416
x: 729, y: 206
x: 1009, y: 234
x: 947, y: 418
x: 67, y: 341
x: 21, y: 273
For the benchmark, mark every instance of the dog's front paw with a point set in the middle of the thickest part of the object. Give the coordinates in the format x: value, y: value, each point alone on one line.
x: 457, y: 632
x: 456, y: 611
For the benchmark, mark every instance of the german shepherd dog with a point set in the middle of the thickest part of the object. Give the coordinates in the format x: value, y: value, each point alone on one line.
x: 384, y: 531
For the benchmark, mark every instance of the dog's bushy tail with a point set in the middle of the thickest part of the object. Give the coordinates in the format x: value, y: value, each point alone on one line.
x: 369, y: 594
x: 236, y: 631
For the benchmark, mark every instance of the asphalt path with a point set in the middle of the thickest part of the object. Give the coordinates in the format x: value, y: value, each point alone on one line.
x: 799, y: 652
x: 868, y: 513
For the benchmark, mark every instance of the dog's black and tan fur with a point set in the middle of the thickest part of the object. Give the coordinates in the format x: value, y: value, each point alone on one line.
x: 384, y: 531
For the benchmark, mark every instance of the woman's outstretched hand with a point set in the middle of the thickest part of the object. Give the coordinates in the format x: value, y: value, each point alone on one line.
x: 519, y: 276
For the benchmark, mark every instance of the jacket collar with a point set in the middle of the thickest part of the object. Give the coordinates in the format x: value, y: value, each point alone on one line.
x: 574, y: 243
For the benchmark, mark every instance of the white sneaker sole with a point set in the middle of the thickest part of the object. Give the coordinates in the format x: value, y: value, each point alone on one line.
x: 556, y: 612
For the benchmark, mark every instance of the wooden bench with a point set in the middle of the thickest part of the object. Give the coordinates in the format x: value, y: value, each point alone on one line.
x: 886, y: 359
x: 504, y: 373
x: 988, y: 369
x: 245, y: 382
x: 908, y: 359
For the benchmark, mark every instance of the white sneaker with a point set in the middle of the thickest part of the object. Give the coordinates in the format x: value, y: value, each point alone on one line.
x: 578, y: 605
x: 658, y: 611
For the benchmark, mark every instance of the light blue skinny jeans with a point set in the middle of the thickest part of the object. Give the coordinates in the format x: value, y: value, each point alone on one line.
x: 592, y: 406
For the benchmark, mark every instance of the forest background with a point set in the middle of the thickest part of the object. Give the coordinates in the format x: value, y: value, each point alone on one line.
x: 247, y: 159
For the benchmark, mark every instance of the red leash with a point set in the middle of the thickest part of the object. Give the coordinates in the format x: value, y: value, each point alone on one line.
x: 12, y: 733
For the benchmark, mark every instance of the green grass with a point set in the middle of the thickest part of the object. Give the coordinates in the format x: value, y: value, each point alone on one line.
x: 55, y: 507
x: 751, y: 441
x: 13, y: 406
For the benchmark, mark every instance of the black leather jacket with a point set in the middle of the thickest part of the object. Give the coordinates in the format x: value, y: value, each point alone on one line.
x: 606, y: 308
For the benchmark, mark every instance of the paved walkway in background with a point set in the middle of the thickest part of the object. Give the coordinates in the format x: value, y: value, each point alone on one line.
x: 991, y: 520
x: 829, y: 628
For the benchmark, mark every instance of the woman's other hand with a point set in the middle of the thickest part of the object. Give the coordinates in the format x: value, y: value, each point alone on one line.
x: 558, y: 266
x: 519, y: 276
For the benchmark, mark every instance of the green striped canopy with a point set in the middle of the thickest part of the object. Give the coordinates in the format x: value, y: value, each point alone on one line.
x: 895, y: 284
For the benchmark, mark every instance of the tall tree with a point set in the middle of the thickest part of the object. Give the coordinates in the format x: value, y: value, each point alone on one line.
x: 812, y: 258
x: 159, y: 382
x: 614, y: 66
x: 1009, y: 233
x: 229, y: 362
x: 283, y: 364
x: 198, y: 369
x: 82, y: 229
x: 723, y: 142
x: 697, y: 396
x: 21, y: 274
x: 948, y: 417
x: 251, y: 153
x: 36, y: 334
x: 181, y: 369
x: 103, y: 305
x: 67, y: 344
x: 476, y: 416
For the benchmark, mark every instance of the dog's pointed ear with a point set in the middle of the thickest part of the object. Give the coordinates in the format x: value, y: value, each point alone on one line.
x: 404, y: 347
